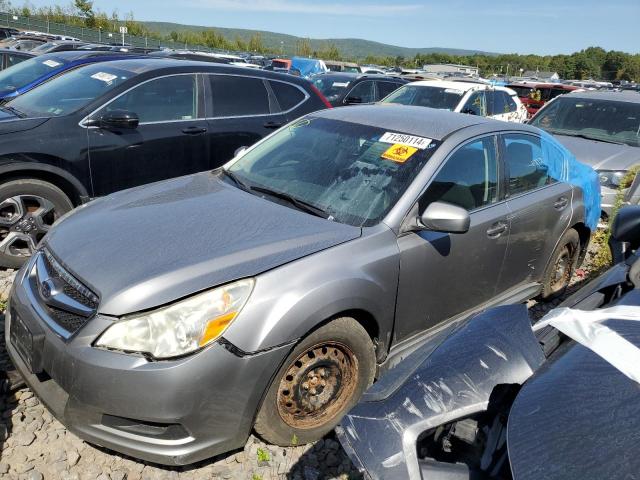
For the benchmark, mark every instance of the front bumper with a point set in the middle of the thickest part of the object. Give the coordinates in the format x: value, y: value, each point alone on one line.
x: 169, y: 412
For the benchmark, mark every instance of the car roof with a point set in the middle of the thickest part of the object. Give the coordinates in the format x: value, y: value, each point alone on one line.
x: 464, y: 86
x: 356, y: 75
x: 420, y: 121
x: 630, y: 96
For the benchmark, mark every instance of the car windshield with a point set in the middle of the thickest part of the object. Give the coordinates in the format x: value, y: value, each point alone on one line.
x: 332, y: 86
x: 45, y: 47
x: 70, y: 92
x: 355, y: 173
x: 28, y: 71
x: 426, y: 96
x: 604, y: 120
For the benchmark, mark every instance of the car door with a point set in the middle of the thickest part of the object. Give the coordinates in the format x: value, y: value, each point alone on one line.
x: 241, y: 110
x: 363, y: 92
x: 443, y: 275
x: 540, y: 209
x: 169, y: 141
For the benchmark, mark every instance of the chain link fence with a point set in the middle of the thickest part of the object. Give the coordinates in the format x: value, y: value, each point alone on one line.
x: 94, y: 35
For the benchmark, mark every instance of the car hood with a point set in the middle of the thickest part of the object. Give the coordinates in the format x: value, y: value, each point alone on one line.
x: 10, y: 123
x: 578, y: 416
x: 601, y: 155
x: 148, y: 246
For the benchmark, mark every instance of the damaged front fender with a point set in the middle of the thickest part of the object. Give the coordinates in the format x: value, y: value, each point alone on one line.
x: 454, y: 380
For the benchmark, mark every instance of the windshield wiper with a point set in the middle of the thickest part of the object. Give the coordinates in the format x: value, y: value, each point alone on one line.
x: 236, y: 180
x: 587, y: 137
x: 296, y: 202
x: 14, y: 111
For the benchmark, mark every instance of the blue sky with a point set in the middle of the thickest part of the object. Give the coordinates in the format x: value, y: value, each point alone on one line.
x: 541, y: 27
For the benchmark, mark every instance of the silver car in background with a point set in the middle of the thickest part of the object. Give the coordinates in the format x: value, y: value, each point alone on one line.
x: 168, y: 321
x: 601, y: 129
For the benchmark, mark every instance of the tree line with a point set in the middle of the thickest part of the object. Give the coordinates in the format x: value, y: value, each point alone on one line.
x: 592, y: 62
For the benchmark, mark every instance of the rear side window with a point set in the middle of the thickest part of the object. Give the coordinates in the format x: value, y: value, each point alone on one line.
x: 385, y: 88
x: 161, y: 100
x: 523, y: 158
x: 288, y: 96
x: 235, y: 96
x: 13, y: 59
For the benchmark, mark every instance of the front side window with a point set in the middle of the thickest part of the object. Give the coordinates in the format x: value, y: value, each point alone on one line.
x: 524, y: 163
x: 237, y: 96
x: 362, y: 93
x: 426, y: 96
x: 598, y: 119
x: 352, y: 172
x: 468, y: 179
x: 385, y: 88
x: 476, y: 105
x: 161, y: 100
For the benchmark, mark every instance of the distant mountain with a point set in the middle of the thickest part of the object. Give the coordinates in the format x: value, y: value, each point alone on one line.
x: 349, y: 47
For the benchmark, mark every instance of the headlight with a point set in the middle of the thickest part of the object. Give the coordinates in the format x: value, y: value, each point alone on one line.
x: 182, y: 327
x: 611, y: 178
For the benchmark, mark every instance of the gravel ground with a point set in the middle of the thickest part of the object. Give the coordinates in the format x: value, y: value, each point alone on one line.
x: 35, y: 446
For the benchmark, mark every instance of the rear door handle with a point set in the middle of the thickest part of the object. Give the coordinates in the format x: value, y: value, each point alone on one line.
x: 273, y: 124
x: 496, y: 229
x: 194, y: 130
x: 561, y: 203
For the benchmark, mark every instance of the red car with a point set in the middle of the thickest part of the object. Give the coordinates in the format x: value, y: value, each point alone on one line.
x: 535, y: 95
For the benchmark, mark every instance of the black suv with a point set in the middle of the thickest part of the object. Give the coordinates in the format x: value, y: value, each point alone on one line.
x: 354, y: 88
x: 109, y: 126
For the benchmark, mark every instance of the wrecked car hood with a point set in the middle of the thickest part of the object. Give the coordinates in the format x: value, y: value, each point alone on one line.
x: 151, y: 245
x: 601, y: 155
x: 578, y: 416
x: 455, y: 378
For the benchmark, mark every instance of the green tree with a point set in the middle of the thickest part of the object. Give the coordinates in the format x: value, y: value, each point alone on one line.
x: 303, y: 48
x: 84, y: 9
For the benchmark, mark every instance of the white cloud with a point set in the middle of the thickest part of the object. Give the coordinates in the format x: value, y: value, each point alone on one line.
x: 291, y: 6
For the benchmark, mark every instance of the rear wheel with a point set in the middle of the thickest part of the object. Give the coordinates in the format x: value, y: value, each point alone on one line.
x: 321, y: 379
x: 28, y: 208
x: 562, y: 265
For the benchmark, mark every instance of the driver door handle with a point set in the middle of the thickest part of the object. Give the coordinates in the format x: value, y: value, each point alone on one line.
x: 496, y: 229
x: 194, y: 130
x: 561, y: 203
x: 273, y: 124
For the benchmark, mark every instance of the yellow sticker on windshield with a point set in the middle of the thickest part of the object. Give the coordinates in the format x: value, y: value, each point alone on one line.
x: 399, y: 153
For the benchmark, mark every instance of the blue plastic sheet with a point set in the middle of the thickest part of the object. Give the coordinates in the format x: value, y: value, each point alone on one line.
x: 563, y: 166
x: 308, y: 66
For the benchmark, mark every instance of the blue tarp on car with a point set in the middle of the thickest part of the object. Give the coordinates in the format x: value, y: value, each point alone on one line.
x: 308, y: 66
x: 563, y: 166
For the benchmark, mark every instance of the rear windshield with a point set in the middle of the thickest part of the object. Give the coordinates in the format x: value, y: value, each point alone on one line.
x: 426, y: 96
x: 604, y: 120
x: 26, y: 72
x: 70, y: 92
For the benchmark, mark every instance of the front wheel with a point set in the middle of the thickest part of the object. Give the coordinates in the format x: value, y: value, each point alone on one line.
x: 562, y: 265
x: 28, y: 208
x: 321, y: 379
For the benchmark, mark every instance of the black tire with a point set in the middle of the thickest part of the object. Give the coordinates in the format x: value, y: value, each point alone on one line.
x: 31, y: 191
x: 561, y: 266
x: 347, y: 345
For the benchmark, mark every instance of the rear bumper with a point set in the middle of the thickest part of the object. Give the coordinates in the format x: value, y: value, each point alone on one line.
x: 172, y: 412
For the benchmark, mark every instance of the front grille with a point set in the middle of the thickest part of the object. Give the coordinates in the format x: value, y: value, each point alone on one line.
x: 66, y: 318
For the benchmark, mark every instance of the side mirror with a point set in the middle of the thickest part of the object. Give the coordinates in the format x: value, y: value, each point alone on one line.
x: 119, y: 120
x: 445, y: 217
x: 240, y: 151
x: 626, y: 226
x: 352, y: 100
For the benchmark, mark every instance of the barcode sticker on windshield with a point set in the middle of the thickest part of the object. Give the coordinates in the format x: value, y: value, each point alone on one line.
x: 51, y: 63
x: 105, y: 77
x: 420, y: 143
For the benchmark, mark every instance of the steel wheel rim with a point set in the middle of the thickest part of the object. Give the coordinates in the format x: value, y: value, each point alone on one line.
x: 24, y: 220
x: 317, y: 385
x: 562, y: 270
